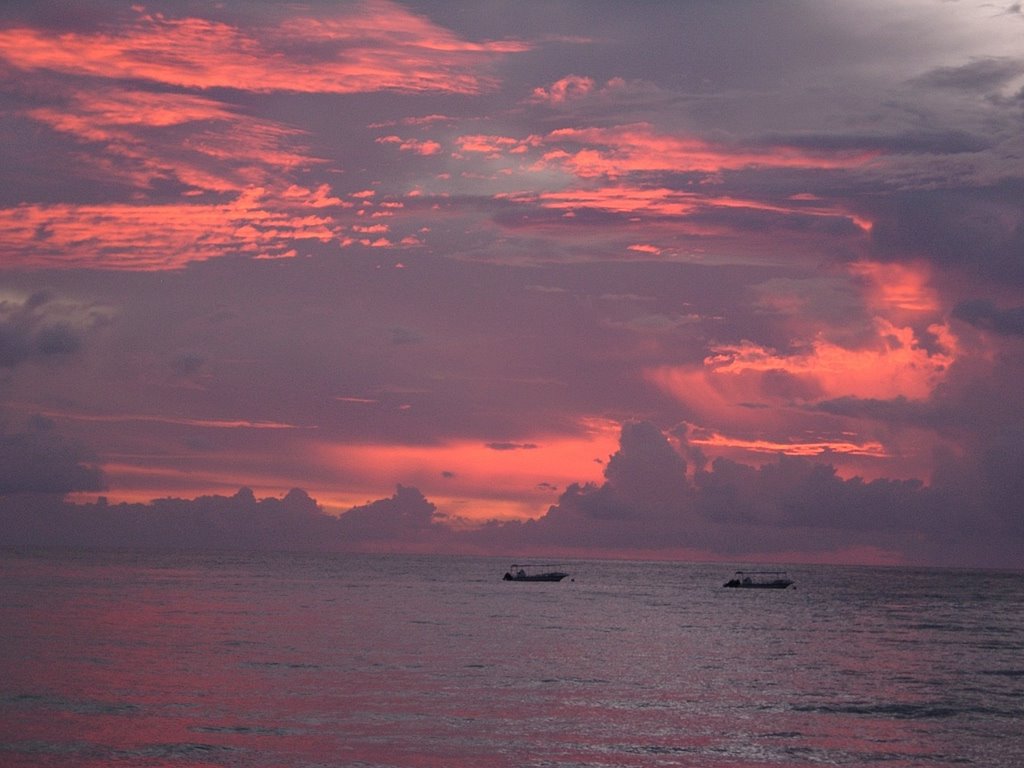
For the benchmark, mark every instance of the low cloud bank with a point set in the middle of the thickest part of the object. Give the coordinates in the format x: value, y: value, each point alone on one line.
x: 649, y: 504
x: 295, y: 522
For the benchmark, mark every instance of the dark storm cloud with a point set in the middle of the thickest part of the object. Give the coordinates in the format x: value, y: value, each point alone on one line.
x: 911, y: 141
x: 898, y: 411
x: 981, y: 75
x: 27, y: 331
x: 241, y: 521
x: 57, y: 340
x: 15, y: 346
x: 207, y: 522
x: 788, y: 505
x: 983, y: 313
x: 77, y: 15
x: 765, y: 223
x: 39, y: 460
x: 795, y: 492
x: 406, y: 517
x: 986, y: 414
x: 187, y: 364
x: 977, y: 478
x: 977, y: 232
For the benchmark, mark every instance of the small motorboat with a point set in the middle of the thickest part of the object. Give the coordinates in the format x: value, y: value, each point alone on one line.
x: 759, y: 580
x: 519, y: 573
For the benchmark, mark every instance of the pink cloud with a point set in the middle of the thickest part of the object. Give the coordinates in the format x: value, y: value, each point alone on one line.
x: 144, y: 137
x: 321, y: 197
x: 153, y: 237
x: 653, y: 250
x: 747, y: 400
x: 900, y: 288
x: 569, y: 87
x: 613, y: 152
x: 656, y: 201
x: 497, y: 145
x: 892, y: 365
x: 417, y: 146
x: 374, y: 46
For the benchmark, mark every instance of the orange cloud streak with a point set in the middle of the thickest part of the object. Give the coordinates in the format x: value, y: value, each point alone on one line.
x: 806, y: 448
x: 205, y: 423
x: 613, y: 152
x: 144, y: 237
x: 663, y: 202
x: 623, y: 199
x: 817, y: 210
x: 375, y: 46
x: 198, y: 141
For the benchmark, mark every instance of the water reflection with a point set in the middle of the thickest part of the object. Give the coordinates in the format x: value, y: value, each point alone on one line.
x: 275, y: 660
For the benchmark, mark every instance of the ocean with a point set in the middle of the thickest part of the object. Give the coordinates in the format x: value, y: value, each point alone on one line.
x: 293, y: 661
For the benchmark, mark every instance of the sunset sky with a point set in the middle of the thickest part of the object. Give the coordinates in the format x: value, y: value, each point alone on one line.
x: 693, y: 279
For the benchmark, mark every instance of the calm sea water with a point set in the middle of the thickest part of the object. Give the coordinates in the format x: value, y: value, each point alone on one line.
x: 142, y: 659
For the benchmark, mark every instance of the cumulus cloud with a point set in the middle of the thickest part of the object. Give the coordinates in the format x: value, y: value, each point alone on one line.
x: 240, y: 521
x: 406, y: 520
x: 789, y: 508
x: 790, y: 505
x: 984, y: 74
x: 407, y: 517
